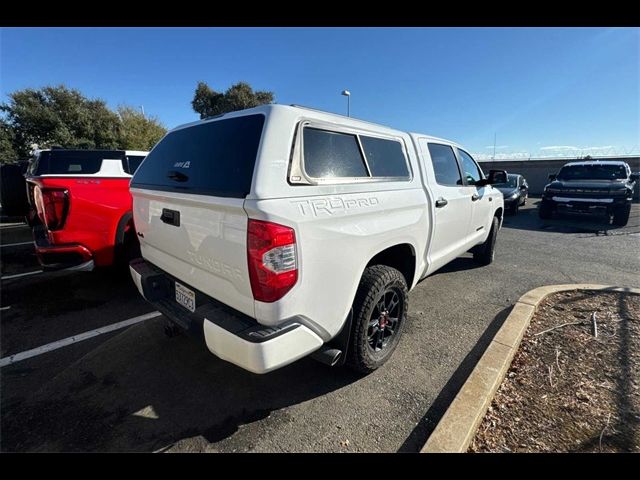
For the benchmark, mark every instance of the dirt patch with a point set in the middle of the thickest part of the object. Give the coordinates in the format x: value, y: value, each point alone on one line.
x: 568, y: 390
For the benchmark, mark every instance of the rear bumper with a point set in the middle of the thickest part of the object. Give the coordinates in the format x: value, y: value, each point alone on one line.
x: 61, y: 257
x: 227, y: 333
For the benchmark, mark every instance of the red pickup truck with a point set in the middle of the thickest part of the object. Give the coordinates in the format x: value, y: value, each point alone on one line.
x: 80, y: 207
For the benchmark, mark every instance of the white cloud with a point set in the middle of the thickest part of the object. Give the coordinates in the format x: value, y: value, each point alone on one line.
x: 558, y: 151
x: 560, y: 147
x: 606, y: 147
x: 502, y: 156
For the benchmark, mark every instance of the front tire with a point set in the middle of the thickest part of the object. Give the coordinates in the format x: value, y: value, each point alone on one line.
x: 545, y: 211
x: 485, y: 253
x: 621, y: 215
x: 379, y: 314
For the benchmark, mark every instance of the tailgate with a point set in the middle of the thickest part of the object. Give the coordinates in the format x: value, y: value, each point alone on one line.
x: 199, y: 240
x: 188, y: 197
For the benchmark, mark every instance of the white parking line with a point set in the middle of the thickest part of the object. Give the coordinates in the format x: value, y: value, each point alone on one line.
x: 7, y: 226
x: 18, y: 275
x: 16, y: 244
x: 76, y: 338
x: 2, y: 309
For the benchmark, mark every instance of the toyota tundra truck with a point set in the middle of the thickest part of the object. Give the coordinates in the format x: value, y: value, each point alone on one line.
x: 591, y: 186
x: 80, y: 207
x: 281, y: 231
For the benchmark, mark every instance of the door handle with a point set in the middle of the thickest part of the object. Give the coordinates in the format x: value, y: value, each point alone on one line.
x: 475, y: 197
x: 441, y: 202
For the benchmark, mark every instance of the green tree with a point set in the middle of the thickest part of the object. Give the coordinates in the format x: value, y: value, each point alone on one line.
x: 59, y: 116
x: 207, y: 102
x: 138, y: 132
x: 7, y: 137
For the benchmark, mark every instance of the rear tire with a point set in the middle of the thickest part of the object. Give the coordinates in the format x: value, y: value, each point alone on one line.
x: 545, y: 211
x: 128, y: 250
x: 621, y: 215
x: 382, y: 289
x: 485, y: 253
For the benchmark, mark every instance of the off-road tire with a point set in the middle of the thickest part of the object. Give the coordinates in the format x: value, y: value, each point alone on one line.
x: 545, y: 211
x: 621, y: 215
x: 484, y: 253
x: 375, y: 281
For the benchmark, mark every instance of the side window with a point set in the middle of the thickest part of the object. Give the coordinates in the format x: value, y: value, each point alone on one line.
x: 331, y: 154
x: 385, y: 157
x: 471, y: 169
x: 445, y: 165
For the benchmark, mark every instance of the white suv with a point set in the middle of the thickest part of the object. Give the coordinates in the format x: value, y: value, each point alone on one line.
x: 280, y: 231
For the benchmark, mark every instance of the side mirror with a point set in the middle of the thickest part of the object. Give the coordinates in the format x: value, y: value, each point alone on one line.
x: 552, y: 177
x: 634, y: 177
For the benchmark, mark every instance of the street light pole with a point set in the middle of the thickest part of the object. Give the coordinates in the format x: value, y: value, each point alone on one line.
x: 347, y: 94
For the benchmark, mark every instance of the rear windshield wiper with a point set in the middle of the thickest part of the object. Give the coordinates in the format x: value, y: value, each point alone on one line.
x: 177, y: 176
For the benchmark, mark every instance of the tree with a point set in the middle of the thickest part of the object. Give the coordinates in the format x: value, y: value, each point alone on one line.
x: 7, y: 137
x: 207, y: 102
x: 59, y: 116
x: 138, y: 132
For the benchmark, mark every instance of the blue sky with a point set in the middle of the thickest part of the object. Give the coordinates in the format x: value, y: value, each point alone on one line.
x: 541, y: 91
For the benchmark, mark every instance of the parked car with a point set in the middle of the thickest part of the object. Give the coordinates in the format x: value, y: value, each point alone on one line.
x: 280, y: 231
x: 591, y: 186
x: 81, y: 207
x: 515, y: 192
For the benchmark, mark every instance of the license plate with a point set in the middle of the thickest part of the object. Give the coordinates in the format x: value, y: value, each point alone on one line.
x: 186, y: 297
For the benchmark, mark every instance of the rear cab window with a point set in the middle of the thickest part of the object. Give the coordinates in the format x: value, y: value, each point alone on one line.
x: 131, y: 163
x: 71, y: 162
x: 213, y: 158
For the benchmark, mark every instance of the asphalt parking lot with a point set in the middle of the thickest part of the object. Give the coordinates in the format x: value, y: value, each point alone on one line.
x: 135, y: 389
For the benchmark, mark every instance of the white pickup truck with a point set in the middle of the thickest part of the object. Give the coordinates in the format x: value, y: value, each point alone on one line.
x: 282, y: 231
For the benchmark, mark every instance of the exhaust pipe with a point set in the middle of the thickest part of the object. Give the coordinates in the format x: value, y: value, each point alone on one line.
x: 327, y: 355
x: 171, y: 330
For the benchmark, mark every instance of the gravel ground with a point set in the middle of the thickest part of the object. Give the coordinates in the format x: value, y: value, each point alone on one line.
x: 568, y: 390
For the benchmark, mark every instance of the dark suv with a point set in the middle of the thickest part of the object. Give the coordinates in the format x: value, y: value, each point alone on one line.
x: 589, y: 185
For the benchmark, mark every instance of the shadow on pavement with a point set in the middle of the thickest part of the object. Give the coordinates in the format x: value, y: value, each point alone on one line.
x: 568, y: 222
x: 142, y: 391
x: 427, y: 424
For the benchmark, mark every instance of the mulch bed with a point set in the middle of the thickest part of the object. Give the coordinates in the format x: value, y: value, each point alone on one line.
x: 567, y: 390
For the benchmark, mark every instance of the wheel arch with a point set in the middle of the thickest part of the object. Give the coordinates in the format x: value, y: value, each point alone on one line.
x: 121, y: 228
x: 401, y: 256
x: 499, y: 213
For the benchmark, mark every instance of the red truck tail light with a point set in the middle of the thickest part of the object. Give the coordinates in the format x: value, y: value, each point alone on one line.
x: 272, y: 256
x: 52, y: 205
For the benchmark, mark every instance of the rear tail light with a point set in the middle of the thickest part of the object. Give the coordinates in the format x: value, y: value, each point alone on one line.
x: 272, y: 256
x: 52, y: 205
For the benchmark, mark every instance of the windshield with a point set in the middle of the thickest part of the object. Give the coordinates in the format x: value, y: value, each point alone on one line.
x: 593, y: 172
x: 512, y: 182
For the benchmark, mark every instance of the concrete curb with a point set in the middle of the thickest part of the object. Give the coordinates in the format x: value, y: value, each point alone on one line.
x: 458, y: 426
